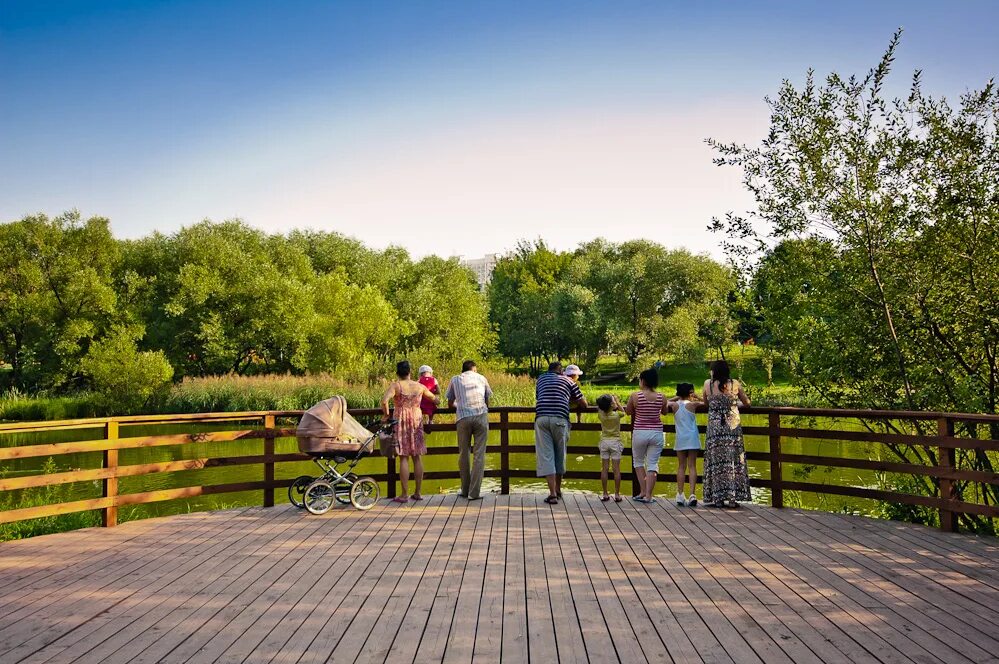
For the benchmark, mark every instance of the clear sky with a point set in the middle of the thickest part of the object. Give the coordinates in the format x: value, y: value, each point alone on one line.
x: 447, y: 127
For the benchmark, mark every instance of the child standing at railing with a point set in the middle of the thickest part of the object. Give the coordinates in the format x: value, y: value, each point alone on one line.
x: 610, y: 412
x: 688, y: 441
x: 428, y: 406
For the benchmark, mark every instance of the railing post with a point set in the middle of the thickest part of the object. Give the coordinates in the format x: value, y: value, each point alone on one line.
x: 776, y: 471
x: 269, y: 434
x: 504, y: 452
x: 946, y: 459
x: 109, y: 485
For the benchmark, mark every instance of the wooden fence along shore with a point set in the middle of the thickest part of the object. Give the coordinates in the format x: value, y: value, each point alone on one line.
x: 112, y: 435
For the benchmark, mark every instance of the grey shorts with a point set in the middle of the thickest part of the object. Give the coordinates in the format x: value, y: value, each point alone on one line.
x: 551, y: 434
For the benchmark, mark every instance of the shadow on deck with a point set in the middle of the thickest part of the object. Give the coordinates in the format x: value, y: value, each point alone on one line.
x: 506, y: 578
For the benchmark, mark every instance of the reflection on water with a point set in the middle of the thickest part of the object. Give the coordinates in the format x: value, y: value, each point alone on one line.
x: 249, y: 473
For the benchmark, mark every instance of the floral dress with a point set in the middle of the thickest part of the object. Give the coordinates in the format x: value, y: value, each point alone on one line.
x: 726, y: 477
x: 409, y: 430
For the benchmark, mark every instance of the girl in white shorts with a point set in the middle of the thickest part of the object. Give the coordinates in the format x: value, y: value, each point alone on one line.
x: 610, y: 412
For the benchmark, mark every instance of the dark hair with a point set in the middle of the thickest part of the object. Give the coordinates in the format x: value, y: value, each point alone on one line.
x: 604, y: 402
x: 403, y: 369
x: 684, y: 390
x: 555, y: 367
x: 650, y: 377
x: 721, y: 374
x: 467, y: 365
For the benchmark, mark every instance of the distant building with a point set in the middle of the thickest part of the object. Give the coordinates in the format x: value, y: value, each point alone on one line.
x: 482, y: 267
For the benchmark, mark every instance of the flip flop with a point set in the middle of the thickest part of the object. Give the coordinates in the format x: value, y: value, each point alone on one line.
x: 604, y: 499
x: 618, y: 499
x: 416, y: 496
x: 400, y: 499
x: 552, y: 500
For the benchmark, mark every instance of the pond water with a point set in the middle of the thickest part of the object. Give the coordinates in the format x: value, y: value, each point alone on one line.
x: 249, y: 473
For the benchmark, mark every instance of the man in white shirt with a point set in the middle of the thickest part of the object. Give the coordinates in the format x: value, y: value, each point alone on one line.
x: 469, y: 394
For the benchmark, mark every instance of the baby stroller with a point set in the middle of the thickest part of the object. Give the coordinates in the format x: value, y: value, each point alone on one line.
x: 329, y: 435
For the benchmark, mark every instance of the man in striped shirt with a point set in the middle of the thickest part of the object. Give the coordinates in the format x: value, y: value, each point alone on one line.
x: 469, y: 394
x: 553, y: 392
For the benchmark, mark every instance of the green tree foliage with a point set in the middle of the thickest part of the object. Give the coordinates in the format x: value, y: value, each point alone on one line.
x: 636, y: 298
x: 125, y: 377
x: 874, y: 238
x: 56, y: 295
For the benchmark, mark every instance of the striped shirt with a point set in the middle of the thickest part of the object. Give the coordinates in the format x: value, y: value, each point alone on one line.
x: 470, y: 392
x: 553, y: 392
x: 648, y: 412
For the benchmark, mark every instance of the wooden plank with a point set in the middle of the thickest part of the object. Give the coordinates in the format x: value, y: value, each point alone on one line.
x: 632, y: 635
x: 413, y: 624
x: 489, y: 627
x: 370, y: 588
x: 434, y: 640
x: 635, y: 587
x: 516, y: 647
x: 384, y: 629
x: 109, y: 485
x: 685, y: 578
x: 125, y: 630
x: 572, y: 646
x: 387, y: 527
x: 540, y: 614
x: 44, y: 623
x: 222, y: 615
x: 964, y: 625
x: 879, y: 618
x: 461, y: 631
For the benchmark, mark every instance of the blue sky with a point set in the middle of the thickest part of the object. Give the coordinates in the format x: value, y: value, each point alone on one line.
x: 449, y: 128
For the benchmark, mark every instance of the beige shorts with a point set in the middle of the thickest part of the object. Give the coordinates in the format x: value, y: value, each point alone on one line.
x: 610, y: 448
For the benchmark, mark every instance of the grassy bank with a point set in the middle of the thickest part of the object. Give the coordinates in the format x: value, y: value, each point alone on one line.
x: 286, y: 392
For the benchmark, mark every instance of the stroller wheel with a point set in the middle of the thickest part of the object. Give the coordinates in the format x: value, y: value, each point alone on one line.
x: 296, y: 492
x: 319, y: 497
x: 364, y: 494
x: 343, y: 489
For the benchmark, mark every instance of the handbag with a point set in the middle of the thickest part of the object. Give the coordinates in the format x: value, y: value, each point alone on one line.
x: 387, y: 445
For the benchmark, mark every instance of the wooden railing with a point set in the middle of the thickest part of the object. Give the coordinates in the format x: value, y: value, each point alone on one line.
x: 264, y: 426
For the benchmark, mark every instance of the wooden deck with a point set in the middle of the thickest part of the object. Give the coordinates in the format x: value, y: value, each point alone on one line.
x: 504, y: 579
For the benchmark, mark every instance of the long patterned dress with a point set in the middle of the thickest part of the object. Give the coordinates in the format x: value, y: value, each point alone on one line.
x: 409, y: 430
x: 726, y: 477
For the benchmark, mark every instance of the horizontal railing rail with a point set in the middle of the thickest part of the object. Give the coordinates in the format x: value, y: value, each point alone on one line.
x: 263, y: 426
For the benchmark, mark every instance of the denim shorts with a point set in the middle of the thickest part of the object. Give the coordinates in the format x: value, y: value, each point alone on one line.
x: 646, y: 447
x: 551, y: 434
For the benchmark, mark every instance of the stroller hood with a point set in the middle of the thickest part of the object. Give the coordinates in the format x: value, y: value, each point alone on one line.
x: 328, y: 427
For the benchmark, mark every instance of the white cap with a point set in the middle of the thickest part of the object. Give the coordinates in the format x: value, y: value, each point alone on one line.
x: 573, y: 370
x: 426, y: 368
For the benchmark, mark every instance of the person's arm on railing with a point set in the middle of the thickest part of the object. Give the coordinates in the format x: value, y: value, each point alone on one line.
x: 449, y: 394
x: 742, y: 394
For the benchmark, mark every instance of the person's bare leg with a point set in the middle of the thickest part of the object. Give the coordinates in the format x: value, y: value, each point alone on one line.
x: 681, y: 471
x: 552, y: 487
x: 640, y: 478
x: 418, y: 471
x: 692, y: 465
x: 604, y: 467
x: 404, y: 476
x: 617, y: 478
x: 558, y: 485
x: 650, y: 483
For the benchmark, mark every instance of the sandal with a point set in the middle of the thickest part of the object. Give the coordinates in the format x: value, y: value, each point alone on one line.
x: 400, y: 499
x: 416, y: 496
x: 618, y: 499
x: 552, y: 500
x: 604, y: 498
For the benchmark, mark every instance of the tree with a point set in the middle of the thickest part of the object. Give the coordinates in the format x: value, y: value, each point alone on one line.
x: 56, y: 295
x: 874, y: 237
x: 125, y: 377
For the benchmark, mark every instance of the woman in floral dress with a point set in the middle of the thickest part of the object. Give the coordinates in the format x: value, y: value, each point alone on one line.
x: 726, y: 477
x: 406, y: 396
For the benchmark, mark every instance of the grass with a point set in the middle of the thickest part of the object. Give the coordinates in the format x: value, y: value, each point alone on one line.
x: 49, y: 495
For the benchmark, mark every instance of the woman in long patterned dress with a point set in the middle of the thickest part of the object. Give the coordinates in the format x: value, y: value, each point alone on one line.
x: 726, y: 477
x: 406, y: 396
